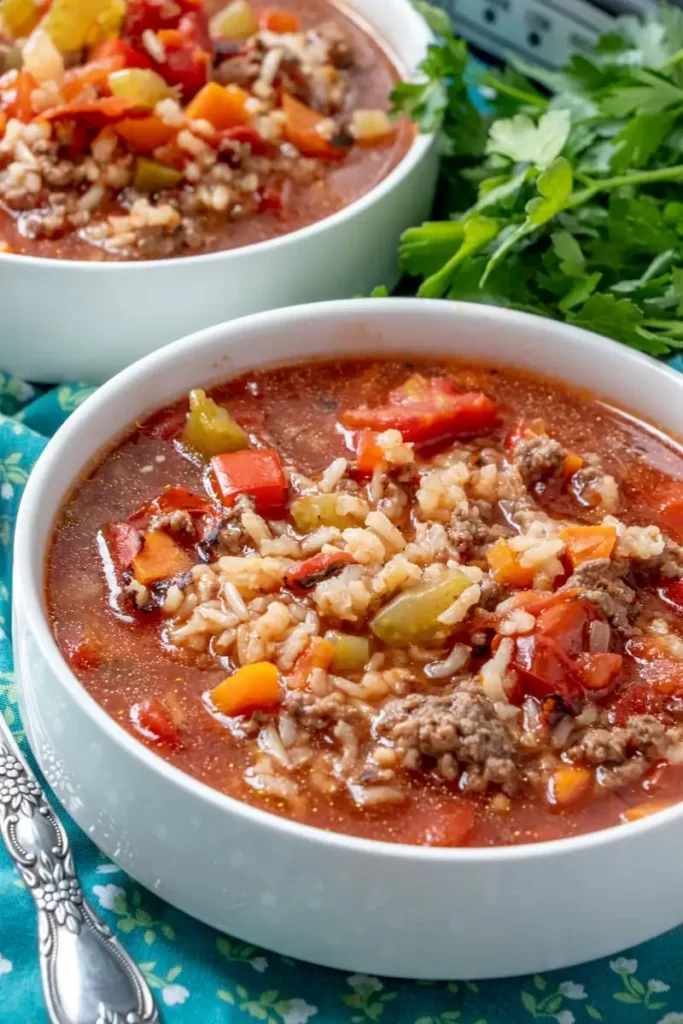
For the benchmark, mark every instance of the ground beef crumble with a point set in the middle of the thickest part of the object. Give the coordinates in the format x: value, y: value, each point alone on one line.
x: 462, y: 723
x: 600, y: 582
x: 538, y: 458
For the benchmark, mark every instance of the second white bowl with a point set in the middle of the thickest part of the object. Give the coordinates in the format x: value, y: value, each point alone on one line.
x: 73, y: 320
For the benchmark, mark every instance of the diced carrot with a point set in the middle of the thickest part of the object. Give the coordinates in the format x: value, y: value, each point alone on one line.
x: 93, y: 112
x: 568, y: 784
x: 171, y: 37
x: 3, y: 122
x: 641, y: 811
x: 154, y: 722
x: 506, y: 568
x: 303, y: 127
x: 448, y: 825
x: 369, y: 455
x: 303, y: 576
x: 275, y: 19
x: 160, y: 559
x: 222, y: 106
x: 320, y: 653
x: 600, y: 670
x: 572, y: 464
x: 586, y: 543
x: 145, y: 134
x: 252, y: 686
x: 257, y: 472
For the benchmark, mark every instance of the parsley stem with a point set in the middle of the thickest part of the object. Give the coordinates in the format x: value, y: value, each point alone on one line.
x: 673, y: 60
x: 619, y: 181
x: 533, y: 98
x: 672, y: 326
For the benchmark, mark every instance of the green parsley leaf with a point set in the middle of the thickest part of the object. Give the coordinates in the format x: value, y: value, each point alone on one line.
x: 524, y: 142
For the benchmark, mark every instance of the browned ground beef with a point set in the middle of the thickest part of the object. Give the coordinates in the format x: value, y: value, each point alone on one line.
x: 470, y: 527
x: 600, y: 583
x: 461, y: 722
x: 537, y: 458
x: 316, y: 714
x: 643, y: 734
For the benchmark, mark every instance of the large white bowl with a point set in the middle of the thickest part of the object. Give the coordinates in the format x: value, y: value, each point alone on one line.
x: 74, y: 320
x: 335, y: 900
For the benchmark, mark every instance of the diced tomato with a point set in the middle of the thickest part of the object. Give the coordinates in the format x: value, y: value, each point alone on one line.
x: 84, y: 654
x: 637, y: 699
x: 250, y: 137
x: 186, y: 64
x: 447, y: 825
x: 276, y: 196
x: 545, y: 669
x: 275, y: 19
x: 121, y: 53
x: 175, y: 499
x: 153, y: 721
x: 554, y: 659
x: 672, y: 593
x: 427, y: 410
x: 670, y: 516
x: 600, y: 671
x: 320, y: 653
x: 195, y: 26
x: 155, y: 14
x: 257, y: 472
x: 305, y: 575
x: 124, y: 543
x: 369, y: 455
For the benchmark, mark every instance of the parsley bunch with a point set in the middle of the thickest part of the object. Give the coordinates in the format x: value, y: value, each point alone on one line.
x: 564, y: 197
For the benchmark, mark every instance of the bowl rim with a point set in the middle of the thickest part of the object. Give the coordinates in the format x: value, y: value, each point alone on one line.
x: 417, y: 151
x: 28, y: 588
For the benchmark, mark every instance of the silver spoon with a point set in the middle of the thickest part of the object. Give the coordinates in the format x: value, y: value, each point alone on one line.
x: 88, y: 978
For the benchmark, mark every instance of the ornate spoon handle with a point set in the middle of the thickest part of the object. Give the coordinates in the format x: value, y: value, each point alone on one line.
x: 88, y: 978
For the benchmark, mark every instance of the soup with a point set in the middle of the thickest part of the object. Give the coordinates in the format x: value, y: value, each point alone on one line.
x: 423, y: 602
x: 188, y: 127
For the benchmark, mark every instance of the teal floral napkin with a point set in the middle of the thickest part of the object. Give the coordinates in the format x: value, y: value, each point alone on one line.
x: 201, y: 977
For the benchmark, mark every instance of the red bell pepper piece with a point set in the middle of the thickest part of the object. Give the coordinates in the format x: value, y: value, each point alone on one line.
x: 94, y: 112
x: 305, y: 575
x: 249, y: 136
x: 427, y: 410
x: 155, y: 14
x: 123, y: 542
x: 120, y: 53
x: 257, y: 472
x: 600, y: 670
x: 153, y: 721
x: 22, y: 108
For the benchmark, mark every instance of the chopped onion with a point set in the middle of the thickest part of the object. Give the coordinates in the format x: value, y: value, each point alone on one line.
x: 599, y: 637
x: 42, y: 58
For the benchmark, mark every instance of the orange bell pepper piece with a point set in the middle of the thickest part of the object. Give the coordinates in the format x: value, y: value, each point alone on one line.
x: 506, y: 568
x: 251, y: 687
x: 160, y: 559
x: 222, y: 106
x: 585, y: 543
x: 145, y: 134
x: 302, y: 128
x: 568, y: 784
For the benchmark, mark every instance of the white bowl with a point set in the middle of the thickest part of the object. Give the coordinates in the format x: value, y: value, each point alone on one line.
x: 74, y: 320
x: 336, y: 900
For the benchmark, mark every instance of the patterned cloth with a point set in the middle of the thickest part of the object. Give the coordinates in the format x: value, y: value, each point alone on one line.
x: 202, y: 977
